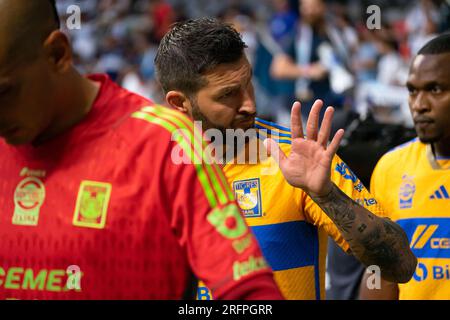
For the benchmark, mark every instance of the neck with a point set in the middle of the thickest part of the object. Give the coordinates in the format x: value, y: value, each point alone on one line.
x: 82, y: 93
x: 442, y: 149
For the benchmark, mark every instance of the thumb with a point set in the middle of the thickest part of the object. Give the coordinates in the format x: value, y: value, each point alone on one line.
x: 275, y: 151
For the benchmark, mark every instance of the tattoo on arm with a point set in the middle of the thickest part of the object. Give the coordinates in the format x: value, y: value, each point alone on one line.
x: 373, y: 240
x: 362, y: 228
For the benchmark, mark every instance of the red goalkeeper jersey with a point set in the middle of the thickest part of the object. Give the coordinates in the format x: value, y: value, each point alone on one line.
x: 102, y: 212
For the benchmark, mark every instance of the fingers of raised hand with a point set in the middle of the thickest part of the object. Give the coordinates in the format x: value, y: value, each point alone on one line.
x: 325, y: 127
x: 334, y: 145
x: 296, y: 121
x: 313, y: 121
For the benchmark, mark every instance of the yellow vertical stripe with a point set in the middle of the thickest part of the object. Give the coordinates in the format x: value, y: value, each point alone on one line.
x: 419, y: 230
x: 187, y: 147
x: 426, y: 236
x: 199, y: 139
x: 176, y: 117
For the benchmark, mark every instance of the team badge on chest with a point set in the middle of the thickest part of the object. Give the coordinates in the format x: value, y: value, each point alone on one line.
x: 29, y: 197
x: 406, y: 192
x: 92, y: 205
x: 248, y: 195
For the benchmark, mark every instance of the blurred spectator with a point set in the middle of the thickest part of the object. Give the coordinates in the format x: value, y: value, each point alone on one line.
x: 274, y: 37
x: 283, y: 22
x: 392, y: 70
x: 422, y: 23
x: 323, y: 42
x: 163, y: 17
x: 387, y: 95
x: 111, y: 59
x: 364, y: 62
x: 313, y: 60
x: 134, y: 82
x: 444, y: 10
x: 242, y: 20
x: 343, y: 35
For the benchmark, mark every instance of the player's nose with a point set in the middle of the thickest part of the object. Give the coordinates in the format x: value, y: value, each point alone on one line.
x: 248, y: 104
x: 421, y: 103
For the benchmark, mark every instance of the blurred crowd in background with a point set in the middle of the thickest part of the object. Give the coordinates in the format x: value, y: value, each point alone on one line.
x: 338, y: 58
x: 299, y: 49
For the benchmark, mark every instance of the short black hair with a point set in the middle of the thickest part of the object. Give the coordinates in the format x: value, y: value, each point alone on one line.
x: 55, y: 13
x: 438, y: 45
x: 191, y: 49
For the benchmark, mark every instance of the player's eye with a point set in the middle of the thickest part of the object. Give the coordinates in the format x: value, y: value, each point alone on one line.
x: 412, y: 91
x: 436, y: 90
x: 228, y: 94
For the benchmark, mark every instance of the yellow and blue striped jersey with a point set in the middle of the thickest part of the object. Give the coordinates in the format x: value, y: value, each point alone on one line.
x: 414, y: 187
x: 291, y: 229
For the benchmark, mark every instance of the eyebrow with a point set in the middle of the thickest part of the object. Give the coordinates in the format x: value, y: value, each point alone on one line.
x: 425, y: 84
x: 231, y: 88
x: 432, y: 84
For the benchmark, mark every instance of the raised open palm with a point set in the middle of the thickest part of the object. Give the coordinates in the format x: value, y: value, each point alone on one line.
x: 308, y: 166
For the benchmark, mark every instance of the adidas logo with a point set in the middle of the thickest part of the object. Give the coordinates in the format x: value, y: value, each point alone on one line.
x: 440, y: 193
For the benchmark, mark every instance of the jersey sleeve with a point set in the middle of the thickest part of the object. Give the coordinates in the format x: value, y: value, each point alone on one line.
x: 376, y: 181
x: 219, y: 246
x: 348, y: 182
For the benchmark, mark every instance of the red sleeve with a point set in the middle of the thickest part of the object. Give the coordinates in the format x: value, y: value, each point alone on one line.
x: 253, y: 288
x: 220, y: 247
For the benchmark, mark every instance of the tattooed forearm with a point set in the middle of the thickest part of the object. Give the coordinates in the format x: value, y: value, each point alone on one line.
x: 373, y: 240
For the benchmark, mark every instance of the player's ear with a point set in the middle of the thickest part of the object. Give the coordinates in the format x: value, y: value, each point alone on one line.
x: 179, y: 101
x: 58, y: 51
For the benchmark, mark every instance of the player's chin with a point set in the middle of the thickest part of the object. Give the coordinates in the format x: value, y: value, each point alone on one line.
x: 428, y: 137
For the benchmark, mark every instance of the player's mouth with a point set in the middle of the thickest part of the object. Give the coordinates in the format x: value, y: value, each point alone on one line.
x: 248, y: 121
x: 423, y: 122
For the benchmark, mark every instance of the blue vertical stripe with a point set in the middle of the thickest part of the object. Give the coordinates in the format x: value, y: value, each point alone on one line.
x: 445, y: 193
x: 316, y: 266
x: 288, y: 245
